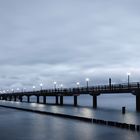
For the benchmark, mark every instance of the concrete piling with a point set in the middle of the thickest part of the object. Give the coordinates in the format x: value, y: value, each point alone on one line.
x: 61, y: 100
x: 44, y: 99
x: 28, y: 99
x: 56, y: 100
x: 37, y: 99
x: 75, y: 100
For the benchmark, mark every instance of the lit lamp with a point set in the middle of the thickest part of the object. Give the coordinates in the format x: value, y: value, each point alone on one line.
x: 17, y: 89
x: 41, y: 85
x: 12, y: 90
x: 87, y: 80
x: 33, y: 88
x: 61, y: 86
x: 77, y: 84
x: 54, y: 84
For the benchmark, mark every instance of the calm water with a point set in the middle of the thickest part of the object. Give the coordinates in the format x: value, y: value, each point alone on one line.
x: 19, y: 125
x: 104, y: 101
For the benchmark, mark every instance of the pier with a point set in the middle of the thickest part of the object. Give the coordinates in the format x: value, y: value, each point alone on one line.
x: 93, y: 91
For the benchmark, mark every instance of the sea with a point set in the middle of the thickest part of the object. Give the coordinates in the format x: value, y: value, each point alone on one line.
x: 22, y: 125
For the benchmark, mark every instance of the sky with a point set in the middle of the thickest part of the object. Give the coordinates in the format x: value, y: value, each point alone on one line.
x: 42, y: 41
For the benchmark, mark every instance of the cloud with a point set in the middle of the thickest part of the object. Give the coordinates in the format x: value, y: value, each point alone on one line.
x: 66, y: 41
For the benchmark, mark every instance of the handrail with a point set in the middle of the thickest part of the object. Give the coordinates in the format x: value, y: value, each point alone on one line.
x: 97, y: 88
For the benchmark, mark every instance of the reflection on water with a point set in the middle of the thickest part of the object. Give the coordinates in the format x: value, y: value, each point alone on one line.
x: 104, y: 101
x: 44, y: 127
x: 87, y: 112
x: 109, y: 107
x: 33, y: 126
x: 33, y: 104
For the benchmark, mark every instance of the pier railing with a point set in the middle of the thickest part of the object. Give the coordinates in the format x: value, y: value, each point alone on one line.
x: 86, y: 90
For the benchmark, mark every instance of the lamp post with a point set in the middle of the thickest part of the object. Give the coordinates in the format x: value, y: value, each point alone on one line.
x: 17, y: 89
x: 54, y: 84
x: 12, y: 90
x: 7, y: 90
x: 24, y: 89
x: 61, y: 86
x: 87, y: 81
x: 33, y: 88
x: 109, y: 83
x: 128, y: 78
x: 41, y: 85
x: 77, y: 84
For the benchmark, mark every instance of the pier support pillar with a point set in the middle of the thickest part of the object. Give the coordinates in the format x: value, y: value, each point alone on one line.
x: 20, y: 98
x: 6, y: 98
x: 15, y: 98
x: 56, y: 100
x: 75, y: 100
x: 61, y: 100
x: 28, y: 99
x: 138, y: 103
x: 44, y: 99
x: 10, y: 98
x: 94, y: 101
x: 37, y: 98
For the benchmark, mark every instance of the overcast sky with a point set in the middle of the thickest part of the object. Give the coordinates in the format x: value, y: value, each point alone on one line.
x: 67, y: 41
